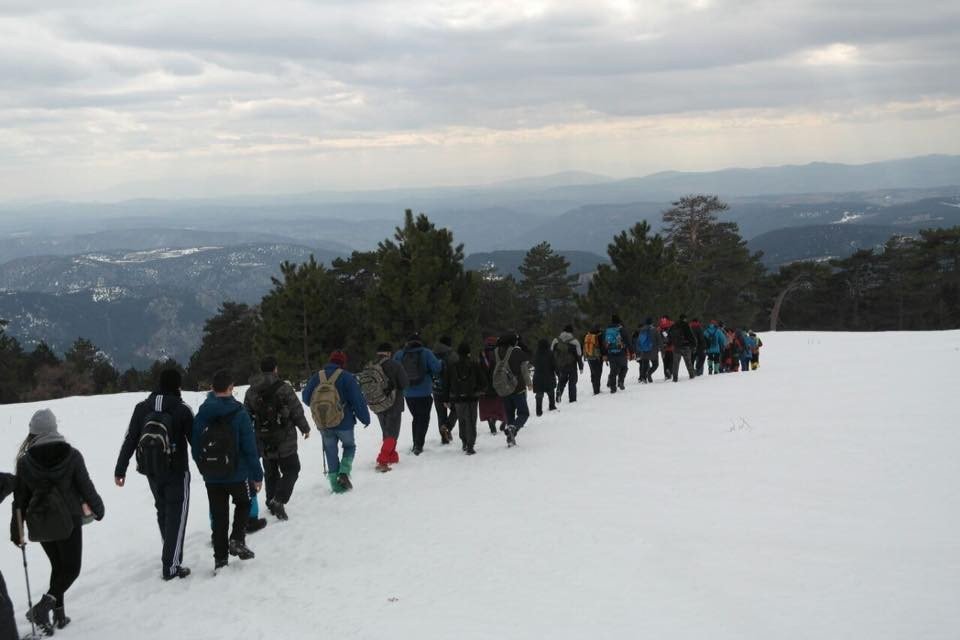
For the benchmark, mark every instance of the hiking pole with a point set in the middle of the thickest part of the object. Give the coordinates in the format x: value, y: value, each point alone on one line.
x: 26, y: 572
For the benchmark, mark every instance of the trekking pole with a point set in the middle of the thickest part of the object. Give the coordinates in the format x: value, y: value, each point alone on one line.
x: 26, y: 572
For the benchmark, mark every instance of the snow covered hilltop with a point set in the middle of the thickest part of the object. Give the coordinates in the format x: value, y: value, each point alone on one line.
x: 814, y: 498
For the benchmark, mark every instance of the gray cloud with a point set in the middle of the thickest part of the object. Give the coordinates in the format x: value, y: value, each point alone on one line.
x: 105, y: 82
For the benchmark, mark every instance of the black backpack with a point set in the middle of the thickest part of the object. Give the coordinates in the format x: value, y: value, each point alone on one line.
x: 217, y: 447
x: 564, y: 354
x: 48, y: 516
x: 154, y: 450
x: 268, y: 420
x: 412, y: 362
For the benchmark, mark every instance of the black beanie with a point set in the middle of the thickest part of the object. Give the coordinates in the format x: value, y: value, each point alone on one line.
x: 170, y: 380
x: 268, y: 364
x: 615, y: 319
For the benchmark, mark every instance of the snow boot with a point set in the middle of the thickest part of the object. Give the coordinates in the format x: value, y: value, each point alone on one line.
x: 40, y: 614
x: 239, y: 549
x: 60, y: 619
x: 277, y: 509
x: 181, y: 572
x: 256, y: 524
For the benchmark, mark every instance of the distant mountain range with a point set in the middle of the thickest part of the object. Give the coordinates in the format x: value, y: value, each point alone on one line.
x: 508, y: 262
x: 139, y: 277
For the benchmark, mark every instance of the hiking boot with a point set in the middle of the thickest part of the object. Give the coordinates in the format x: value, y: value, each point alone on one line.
x: 417, y: 451
x: 650, y: 379
x: 382, y: 468
x: 277, y: 509
x: 60, y: 619
x: 469, y: 451
x: 445, y: 437
x: 40, y: 614
x: 219, y: 564
x: 181, y: 572
x: 493, y: 429
x: 511, y: 432
x: 256, y: 524
x: 239, y: 549
x: 344, y: 481
x: 621, y: 387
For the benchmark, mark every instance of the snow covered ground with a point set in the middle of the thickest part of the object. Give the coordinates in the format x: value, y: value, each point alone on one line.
x: 818, y: 497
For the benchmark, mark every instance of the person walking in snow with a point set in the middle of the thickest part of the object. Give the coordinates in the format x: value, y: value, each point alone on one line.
x: 755, y: 361
x: 8, y: 621
x: 700, y: 347
x: 159, y: 433
x: 464, y: 383
x: 53, y: 518
x: 666, y: 347
x: 420, y: 365
x: 569, y: 358
x: 513, y: 365
x: 225, y: 450
x: 616, y: 343
x: 716, y: 343
x: 544, y: 375
x: 337, y: 403
x: 491, y: 404
x: 648, y: 348
x: 277, y: 416
x: 446, y: 415
x: 746, y: 350
x: 593, y: 354
x: 395, y: 379
x: 683, y: 341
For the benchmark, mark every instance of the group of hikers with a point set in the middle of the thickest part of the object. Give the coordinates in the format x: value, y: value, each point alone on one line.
x: 243, y: 448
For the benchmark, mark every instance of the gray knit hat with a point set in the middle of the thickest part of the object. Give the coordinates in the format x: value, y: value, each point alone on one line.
x: 43, y: 422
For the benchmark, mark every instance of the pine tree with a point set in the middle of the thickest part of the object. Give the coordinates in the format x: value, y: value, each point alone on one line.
x: 11, y: 373
x: 718, y: 274
x: 228, y: 343
x: 546, y: 291
x: 423, y: 286
x: 499, y: 305
x: 641, y: 279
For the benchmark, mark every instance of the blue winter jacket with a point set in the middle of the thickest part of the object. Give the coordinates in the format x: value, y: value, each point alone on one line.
x: 248, y: 462
x: 431, y: 367
x: 354, y: 404
x: 716, y: 340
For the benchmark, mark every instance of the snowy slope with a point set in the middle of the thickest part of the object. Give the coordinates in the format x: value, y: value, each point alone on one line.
x: 816, y: 498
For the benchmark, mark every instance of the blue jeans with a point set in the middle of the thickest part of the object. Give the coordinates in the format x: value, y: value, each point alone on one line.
x: 517, y: 410
x: 331, y: 438
x: 745, y: 364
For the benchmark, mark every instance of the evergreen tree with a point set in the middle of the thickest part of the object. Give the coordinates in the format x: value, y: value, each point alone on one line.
x: 84, y: 359
x: 423, y: 286
x: 11, y: 355
x: 301, y: 318
x: 719, y: 275
x: 641, y: 280
x: 131, y: 380
x: 546, y: 291
x: 498, y: 301
x: 228, y: 343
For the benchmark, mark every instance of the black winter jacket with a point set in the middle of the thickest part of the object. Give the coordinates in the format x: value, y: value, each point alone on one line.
x: 170, y: 403
x: 464, y: 381
x: 54, y: 463
x: 681, y: 336
x: 282, y: 442
x: 544, y: 372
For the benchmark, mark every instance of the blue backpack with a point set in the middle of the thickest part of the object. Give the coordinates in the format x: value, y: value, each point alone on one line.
x: 613, y: 340
x: 645, y: 340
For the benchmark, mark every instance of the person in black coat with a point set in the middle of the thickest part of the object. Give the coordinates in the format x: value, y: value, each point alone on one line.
x: 171, y: 490
x: 46, y: 459
x: 684, y: 342
x: 544, y: 375
x: 463, y: 384
x: 8, y: 623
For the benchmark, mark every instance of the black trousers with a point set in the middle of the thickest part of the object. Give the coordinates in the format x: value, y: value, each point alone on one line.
x: 618, y: 371
x: 667, y: 364
x: 648, y: 364
x: 683, y: 354
x: 446, y: 415
x: 280, y: 476
x: 467, y: 415
x: 698, y: 359
x: 596, y: 374
x: 568, y: 378
x: 549, y: 394
x: 171, y: 497
x: 219, y: 496
x: 420, y: 409
x: 8, y: 623
x: 65, y: 560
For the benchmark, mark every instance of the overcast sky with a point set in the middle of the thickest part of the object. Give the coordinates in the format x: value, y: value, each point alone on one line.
x: 180, y: 98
